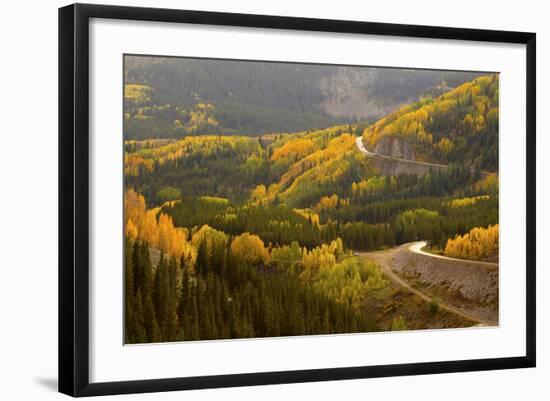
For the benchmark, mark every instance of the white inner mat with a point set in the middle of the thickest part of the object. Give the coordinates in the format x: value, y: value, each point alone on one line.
x: 111, y: 361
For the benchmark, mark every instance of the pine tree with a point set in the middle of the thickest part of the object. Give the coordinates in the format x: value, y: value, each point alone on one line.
x: 201, y: 263
x: 129, y: 291
x: 137, y: 323
x: 172, y: 323
x: 152, y: 328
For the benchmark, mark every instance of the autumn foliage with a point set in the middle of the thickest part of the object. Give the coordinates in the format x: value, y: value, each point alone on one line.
x: 160, y: 233
x: 455, y: 126
x: 295, y: 150
x: 200, y: 288
x: 479, y: 244
x: 234, y: 236
x: 251, y: 248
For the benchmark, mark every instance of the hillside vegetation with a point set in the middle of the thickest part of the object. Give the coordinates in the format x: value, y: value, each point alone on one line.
x: 479, y: 244
x: 257, y: 237
x: 185, y: 96
x: 459, y: 126
x: 309, y: 187
x: 210, y: 285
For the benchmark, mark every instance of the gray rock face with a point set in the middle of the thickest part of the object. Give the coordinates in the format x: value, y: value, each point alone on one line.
x: 395, y: 147
x: 346, y: 93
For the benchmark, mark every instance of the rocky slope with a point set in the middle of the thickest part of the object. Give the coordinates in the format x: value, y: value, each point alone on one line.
x: 468, y: 285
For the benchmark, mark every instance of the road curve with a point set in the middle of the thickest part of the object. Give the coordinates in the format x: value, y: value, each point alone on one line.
x: 384, y: 258
x: 361, y: 147
x: 416, y: 247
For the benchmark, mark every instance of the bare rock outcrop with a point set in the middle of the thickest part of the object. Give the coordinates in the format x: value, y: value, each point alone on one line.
x: 395, y: 147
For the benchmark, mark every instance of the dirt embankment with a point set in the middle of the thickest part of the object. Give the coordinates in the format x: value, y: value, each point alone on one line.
x: 467, y: 285
x: 393, y: 156
x: 389, y: 166
x: 394, y: 301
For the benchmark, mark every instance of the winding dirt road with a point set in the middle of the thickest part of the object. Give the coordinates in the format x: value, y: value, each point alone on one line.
x: 384, y: 259
x: 416, y: 247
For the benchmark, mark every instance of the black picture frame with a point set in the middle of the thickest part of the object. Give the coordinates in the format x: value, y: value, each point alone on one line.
x: 74, y: 198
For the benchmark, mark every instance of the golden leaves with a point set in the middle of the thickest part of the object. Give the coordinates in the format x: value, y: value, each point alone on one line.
x: 143, y: 224
x: 295, y: 150
x: 479, y: 98
x: 479, y: 244
x: 137, y: 93
x: 251, y: 248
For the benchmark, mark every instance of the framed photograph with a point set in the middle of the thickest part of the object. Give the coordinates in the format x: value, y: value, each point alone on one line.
x: 250, y: 199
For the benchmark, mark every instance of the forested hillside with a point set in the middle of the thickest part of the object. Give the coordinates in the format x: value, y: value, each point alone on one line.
x: 460, y: 126
x: 231, y: 236
x: 210, y: 285
x: 311, y: 187
x: 181, y: 96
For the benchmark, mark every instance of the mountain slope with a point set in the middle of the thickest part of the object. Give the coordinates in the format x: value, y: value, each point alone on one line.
x: 312, y: 169
x: 460, y: 126
x: 187, y: 96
